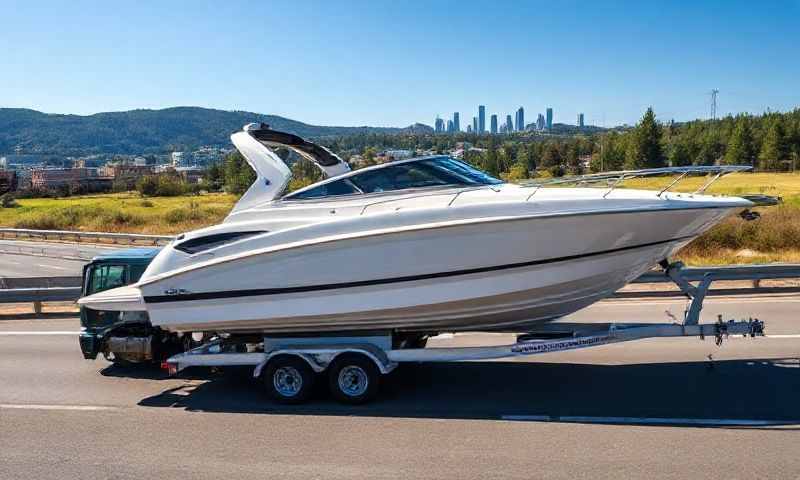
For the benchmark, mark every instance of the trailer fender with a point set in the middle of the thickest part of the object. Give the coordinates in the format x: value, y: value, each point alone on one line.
x: 319, y: 359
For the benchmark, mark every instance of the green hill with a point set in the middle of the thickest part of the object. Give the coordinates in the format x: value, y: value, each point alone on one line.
x: 142, y: 131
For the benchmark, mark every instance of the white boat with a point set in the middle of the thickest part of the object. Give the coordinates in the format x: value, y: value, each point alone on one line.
x: 422, y: 245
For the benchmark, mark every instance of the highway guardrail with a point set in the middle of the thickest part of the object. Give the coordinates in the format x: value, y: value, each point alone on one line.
x: 75, y: 236
x: 775, y: 271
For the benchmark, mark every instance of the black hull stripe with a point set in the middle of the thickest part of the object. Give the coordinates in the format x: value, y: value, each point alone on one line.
x: 383, y: 281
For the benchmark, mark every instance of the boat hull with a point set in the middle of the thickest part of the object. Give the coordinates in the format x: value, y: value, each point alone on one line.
x: 506, y: 275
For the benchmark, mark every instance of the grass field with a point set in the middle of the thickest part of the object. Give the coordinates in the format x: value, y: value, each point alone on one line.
x: 773, y: 238
x: 122, y: 212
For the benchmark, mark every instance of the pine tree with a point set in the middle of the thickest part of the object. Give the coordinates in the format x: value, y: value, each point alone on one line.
x: 645, y: 149
x: 741, y: 149
x: 775, y: 148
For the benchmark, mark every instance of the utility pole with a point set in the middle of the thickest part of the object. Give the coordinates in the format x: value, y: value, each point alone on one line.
x: 714, y: 93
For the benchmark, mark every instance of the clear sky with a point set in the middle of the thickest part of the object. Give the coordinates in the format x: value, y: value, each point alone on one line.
x: 391, y: 63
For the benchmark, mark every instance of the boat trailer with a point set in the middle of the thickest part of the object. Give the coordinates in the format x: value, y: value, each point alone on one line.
x: 354, y: 363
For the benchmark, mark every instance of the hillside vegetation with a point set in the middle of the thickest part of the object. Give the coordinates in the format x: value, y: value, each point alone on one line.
x: 142, y: 131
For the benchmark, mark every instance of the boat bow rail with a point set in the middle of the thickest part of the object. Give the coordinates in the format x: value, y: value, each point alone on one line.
x: 612, y: 180
x: 615, y: 179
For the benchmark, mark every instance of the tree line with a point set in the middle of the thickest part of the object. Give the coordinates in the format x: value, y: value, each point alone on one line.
x: 768, y: 142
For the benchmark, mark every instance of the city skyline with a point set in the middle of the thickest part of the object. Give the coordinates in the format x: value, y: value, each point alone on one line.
x: 517, y: 124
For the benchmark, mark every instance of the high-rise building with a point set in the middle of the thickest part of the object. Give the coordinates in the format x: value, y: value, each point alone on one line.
x: 481, y: 119
x: 520, y: 119
x: 438, y: 125
x: 580, y: 120
x: 540, y: 122
x: 469, y: 128
x: 494, y: 123
x: 549, y: 119
x: 450, y: 126
x: 509, y: 124
x: 456, y: 122
x: 475, y: 125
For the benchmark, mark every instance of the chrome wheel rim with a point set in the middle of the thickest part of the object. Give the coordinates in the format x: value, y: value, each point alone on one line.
x: 353, y: 381
x: 287, y: 381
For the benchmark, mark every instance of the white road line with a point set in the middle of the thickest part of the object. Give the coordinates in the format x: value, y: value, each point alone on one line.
x: 51, y: 266
x: 40, y: 332
x: 87, y: 408
x: 651, y: 420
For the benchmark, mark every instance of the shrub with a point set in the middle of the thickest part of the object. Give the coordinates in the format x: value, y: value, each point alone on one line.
x: 147, y: 186
x: 8, y: 201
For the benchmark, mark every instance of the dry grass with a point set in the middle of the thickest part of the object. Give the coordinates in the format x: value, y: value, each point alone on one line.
x: 773, y: 238
x: 125, y: 212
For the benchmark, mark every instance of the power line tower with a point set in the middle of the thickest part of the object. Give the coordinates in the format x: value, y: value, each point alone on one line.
x: 714, y: 93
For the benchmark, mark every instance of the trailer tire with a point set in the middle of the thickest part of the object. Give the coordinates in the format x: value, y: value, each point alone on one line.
x: 288, y: 379
x: 353, y: 378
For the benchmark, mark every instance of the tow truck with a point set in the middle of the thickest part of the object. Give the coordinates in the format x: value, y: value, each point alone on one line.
x: 123, y: 338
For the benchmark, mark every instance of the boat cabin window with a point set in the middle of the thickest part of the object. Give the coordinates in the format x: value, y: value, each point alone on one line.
x: 429, y: 172
x: 201, y: 244
x: 339, y: 187
x: 435, y: 172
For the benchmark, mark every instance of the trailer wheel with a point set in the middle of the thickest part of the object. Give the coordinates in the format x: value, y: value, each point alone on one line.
x: 288, y: 379
x: 353, y: 378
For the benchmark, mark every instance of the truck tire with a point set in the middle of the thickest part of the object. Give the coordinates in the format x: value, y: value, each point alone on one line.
x: 288, y: 379
x: 353, y: 378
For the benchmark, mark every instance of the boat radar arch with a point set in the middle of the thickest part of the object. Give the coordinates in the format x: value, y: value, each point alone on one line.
x: 272, y: 174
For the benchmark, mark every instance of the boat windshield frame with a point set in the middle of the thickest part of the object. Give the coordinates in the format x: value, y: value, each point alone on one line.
x: 358, y: 192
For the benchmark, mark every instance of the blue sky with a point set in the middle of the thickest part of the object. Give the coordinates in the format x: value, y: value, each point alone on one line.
x: 388, y: 63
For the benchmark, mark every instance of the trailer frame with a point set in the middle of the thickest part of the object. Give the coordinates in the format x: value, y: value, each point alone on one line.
x: 356, y: 361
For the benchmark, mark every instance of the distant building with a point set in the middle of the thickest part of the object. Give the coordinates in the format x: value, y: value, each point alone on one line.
x: 456, y: 122
x: 450, y: 128
x: 127, y: 173
x: 8, y: 181
x: 475, y: 125
x: 481, y: 119
x: 207, y: 155
x: 398, y: 154
x: 580, y: 120
x: 438, y: 125
x: 75, y: 178
x: 469, y: 128
x: 180, y: 159
x: 549, y: 119
x: 494, y: 123
x: 520, y: 119
x: 540, y: 122
x: 193, y: 174
x: 509, y: 124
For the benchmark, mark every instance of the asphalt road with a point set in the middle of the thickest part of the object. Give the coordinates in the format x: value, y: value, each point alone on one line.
x: 63, y: 417
x: 20, y: 258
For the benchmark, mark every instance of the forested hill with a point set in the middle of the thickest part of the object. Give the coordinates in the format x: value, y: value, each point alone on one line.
x: 142, y: 131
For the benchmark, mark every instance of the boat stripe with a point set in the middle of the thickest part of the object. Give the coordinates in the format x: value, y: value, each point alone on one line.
x: 383, y: 281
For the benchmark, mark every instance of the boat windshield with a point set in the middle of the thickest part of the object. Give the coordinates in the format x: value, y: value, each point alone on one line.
x: 430, y: 172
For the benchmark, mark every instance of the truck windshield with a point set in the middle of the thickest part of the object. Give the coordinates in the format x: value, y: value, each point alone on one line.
x: 106, y: 277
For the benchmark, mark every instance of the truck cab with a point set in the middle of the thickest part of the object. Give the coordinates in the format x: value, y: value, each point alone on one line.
x: 121, y: 337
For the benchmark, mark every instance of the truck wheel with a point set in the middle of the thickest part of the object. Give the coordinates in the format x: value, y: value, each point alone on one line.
x: 353, y: 378
x: 288, y: 379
